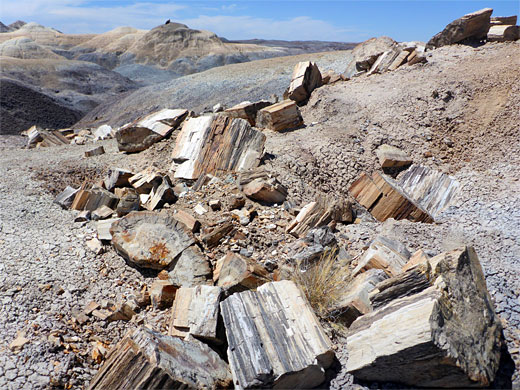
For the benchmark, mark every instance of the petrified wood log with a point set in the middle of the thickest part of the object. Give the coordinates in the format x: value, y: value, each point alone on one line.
x: 66, y: 197
x: 247, y: 111
x: 431, y: 189
x: 95, y: 152
x: 148, y: 360
x: 260, y: 185
x: 144, y: 132
x: 195, y: 312
x: 280, y: 116
x: 117, y: 177
x: 503, y: 33
x: 306, y: 78
x: 216, y: 143
x: 447, y: 335
x: 275, y: 339
x: 150, y: 240
x: 382, y: 197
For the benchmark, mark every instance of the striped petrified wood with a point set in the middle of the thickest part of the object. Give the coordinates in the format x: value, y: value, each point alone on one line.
x: 216, y: 143
x: 274, y: 338
x: 385, y: 200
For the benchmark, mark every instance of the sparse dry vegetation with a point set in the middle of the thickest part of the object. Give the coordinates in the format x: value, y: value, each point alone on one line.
x: 323, y: 282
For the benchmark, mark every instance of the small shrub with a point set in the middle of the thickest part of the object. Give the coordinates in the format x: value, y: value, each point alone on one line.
x: 323, y: 282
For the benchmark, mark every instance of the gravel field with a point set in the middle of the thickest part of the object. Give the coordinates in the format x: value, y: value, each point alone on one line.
x: 469, y: 95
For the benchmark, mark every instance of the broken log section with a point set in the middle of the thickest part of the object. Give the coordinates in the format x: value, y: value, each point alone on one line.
x: 280, y: 116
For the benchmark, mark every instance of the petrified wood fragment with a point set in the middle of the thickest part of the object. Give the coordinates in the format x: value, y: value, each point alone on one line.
x: 275, y: 340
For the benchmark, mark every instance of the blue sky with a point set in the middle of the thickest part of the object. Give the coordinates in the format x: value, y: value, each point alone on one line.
x: 346, y: 21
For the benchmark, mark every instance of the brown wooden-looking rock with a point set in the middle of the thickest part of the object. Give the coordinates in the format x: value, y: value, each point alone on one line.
x: 446, y: 335
x: 383, y: 253
x: 247, y: 110
x: 319, y: 213
x: 195, y: 312
x: 261, y: 186
x: 306, y: 78
x: 275, y: 340
x: 280, y: 116
x: 150, y: 240
x: 144, y: 181
x: 237, y: 273
x: 365, y: 54
x: 216, y: 143
x: 384, y: 199
x: 504, y: 20
x: 144, y: 132
x: 474, y: 25
x: 148, y: 360
x: 98, y: 151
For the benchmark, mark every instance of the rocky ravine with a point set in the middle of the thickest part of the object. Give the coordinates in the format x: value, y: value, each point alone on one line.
x: 443, y: 119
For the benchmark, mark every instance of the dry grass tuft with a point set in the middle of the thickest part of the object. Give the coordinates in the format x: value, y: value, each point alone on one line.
x: 323, y: 282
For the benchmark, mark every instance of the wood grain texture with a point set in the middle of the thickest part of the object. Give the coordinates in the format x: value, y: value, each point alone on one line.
x: 274, y: 338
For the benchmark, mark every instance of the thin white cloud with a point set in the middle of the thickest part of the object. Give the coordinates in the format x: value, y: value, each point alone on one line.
x: 82, y: 16
x: 297, y: 28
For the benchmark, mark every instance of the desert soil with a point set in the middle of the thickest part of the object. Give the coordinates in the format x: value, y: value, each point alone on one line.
x: 462, y: 108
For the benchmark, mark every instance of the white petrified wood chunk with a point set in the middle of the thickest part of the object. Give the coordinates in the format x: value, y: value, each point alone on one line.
x: 148, y: 360
x: 195, y: 312
x: 275, y: 340
x: 433, y: 190
x: 446, y: 335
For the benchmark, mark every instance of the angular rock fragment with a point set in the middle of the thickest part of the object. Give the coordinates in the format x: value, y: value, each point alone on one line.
x: 356, y: 300
x: 98, y: 151
x: 417, y: 257
x: 384, y: 199
x: 144, y: 132
x: 102, y: 212
x: 446, y: 335
x: 190, y: 222
x: 316, y: 242
x: 399, y: 60
x: 83, y: 216
x: 216, y: 143
x: 148, y: 360
x: 213, y: 238
x: 385, y: 254
x: 247, y: 110
x: 319, y: 213
x: 433, y: 190
x: 331, y: 77
x: 117, y: 177
x: 52, y: 138
x: 66, y: 197
x: 144, y: 181
x: 162, y: 294
x: 102, y: 132
x: 366, y: 53
x: 237, y: 273
x: 150, y: 240
x: 503, y: 20
x: 503, y: 33
x: 103, y: 229
x: 33, y: 136
x: 392, y: 157
x: 161, y: 194
x: 128, y: 202
x: 195, y: 312
x: 280, y: 116
x: 261, y: 186
x: 306, y: 78
x: 98, y: 197
x: 474, y: 25
x: 191, y: 269
x: 275, y: 340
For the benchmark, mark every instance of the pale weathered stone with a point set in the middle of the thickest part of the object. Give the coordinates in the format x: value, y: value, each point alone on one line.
x: 148, y: 360
x: 237, y: 273
x: 503, y: 33
x: 103, y: 229
x: 275, y: 340
x: 191, y: 269
x: 117, y: 177
x: 97, y: 151
x: 366, y: 53
x: 392, y: 157
x: 195, y: 312
x: 150, y: 240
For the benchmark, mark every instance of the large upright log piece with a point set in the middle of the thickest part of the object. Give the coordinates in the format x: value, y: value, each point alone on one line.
x: 446, y: 335
x: 214, y: 144
x: 384, y: 199
x: 275, y: 340
x: 148, y: 360
x: 306, y: 78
